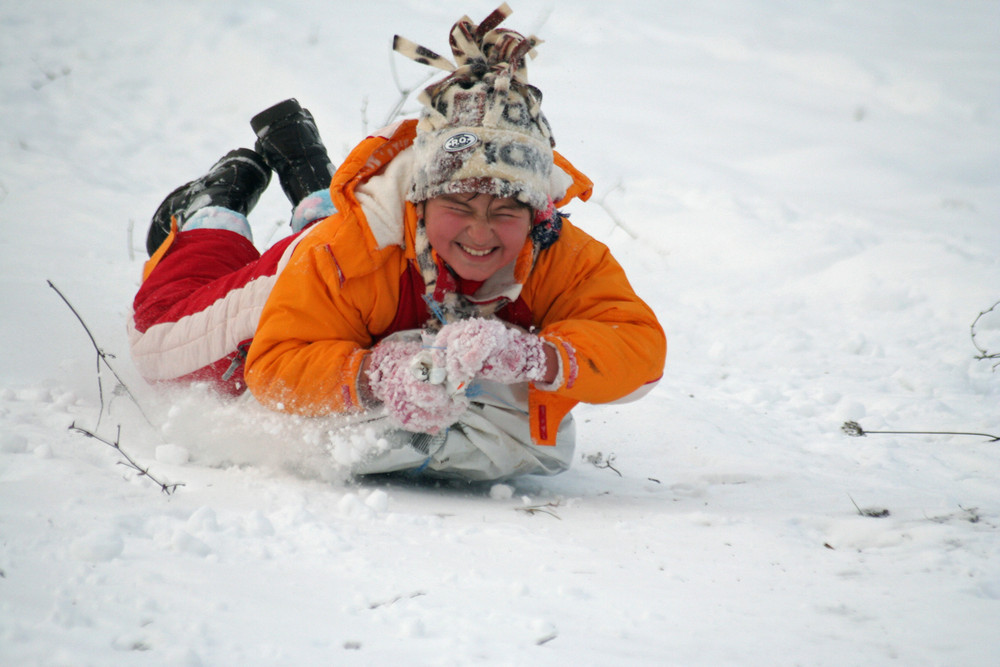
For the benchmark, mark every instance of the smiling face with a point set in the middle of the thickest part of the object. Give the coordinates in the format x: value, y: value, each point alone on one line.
x: 476, y: 235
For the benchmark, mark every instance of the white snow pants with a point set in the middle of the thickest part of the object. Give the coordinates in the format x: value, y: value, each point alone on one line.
x: 490, y: 441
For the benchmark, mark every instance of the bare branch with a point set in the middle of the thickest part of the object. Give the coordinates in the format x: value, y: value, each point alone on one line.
x: 983, y: 352
x: 278, y: 226
x: 102, y: 357
x: 970, y: 514
x: 131, y: 240
x: 387, y: 603
x: 129, y: 462
x: 547, y: 508
x: 854, y: 430
x: 364, y: 115
x: 874, y: 512
x: 598, y: 460
x: 611, y: 214
x: 404, y: 93
x: 546, y: 639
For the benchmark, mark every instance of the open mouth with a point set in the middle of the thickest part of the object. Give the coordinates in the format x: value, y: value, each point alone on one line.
x: 474, y: 252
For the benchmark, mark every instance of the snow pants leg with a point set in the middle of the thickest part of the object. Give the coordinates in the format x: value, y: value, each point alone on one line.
x: 196, y: 313
x: 490, y: 442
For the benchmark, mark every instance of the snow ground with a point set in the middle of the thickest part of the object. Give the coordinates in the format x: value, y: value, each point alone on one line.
x: 808, y: 193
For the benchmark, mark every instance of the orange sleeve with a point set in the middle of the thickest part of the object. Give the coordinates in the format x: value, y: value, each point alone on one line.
x: 313, y: 333
x: 609, y: 340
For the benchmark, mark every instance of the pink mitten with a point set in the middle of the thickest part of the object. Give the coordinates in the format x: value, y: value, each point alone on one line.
x: 414, y: 403
x: 490, y: 349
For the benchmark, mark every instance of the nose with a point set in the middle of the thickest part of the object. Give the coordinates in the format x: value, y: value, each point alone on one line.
x: 479, y: 229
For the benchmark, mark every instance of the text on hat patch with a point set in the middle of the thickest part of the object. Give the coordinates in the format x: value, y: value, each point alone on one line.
x: 460, y: 141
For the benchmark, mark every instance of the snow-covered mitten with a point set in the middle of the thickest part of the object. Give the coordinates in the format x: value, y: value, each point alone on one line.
x: 411, y: 401
x: 490, y: 349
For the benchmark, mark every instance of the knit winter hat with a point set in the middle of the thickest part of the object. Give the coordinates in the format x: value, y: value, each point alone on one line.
x: 482, y: 129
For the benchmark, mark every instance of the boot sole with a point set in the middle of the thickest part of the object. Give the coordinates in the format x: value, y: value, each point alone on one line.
x: 261, y: 121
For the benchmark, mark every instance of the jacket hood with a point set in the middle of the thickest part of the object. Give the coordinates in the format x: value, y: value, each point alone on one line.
x: 374, y: 181
x: 370, y: 191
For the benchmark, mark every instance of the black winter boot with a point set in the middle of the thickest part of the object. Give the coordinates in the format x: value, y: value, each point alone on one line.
x: 289, y: 140
x: 234, y: 182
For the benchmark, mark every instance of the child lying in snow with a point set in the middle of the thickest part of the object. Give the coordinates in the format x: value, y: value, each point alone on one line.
x: 434, y: 280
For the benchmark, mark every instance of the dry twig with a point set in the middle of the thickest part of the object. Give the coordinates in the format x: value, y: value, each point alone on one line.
x: 874, y: 512
x: 547, y: 508
x: 598, y: 460
x: 392, y: 601
x: 129, y: 462
x: 102, y: 358
x: 404, y: 94
x: 854, y: 429
x: 983, y: 352
x: 611, y: 214
x: 546, y: 639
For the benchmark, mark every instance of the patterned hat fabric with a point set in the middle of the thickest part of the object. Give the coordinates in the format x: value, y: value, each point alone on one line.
x: 482, y: 129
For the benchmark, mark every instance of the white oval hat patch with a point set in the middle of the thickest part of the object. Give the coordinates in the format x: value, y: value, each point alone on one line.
x: 460, y: 141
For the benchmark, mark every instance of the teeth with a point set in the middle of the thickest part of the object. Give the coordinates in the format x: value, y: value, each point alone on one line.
x: 476, y: 253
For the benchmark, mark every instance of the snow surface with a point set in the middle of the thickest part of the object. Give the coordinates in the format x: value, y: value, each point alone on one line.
x: 808, y: 193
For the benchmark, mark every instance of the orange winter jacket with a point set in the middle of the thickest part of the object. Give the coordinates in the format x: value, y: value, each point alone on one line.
x: 341, y: 289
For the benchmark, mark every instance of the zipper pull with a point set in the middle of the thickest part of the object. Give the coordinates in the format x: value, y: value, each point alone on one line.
x: 238, y: 359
